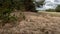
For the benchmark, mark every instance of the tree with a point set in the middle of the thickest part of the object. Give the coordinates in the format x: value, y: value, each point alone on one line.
x: 29, y: 5
x: 39, y: 3
x: 58, y: 8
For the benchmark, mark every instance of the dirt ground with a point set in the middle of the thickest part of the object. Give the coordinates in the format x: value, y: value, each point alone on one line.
x: 35, y: 23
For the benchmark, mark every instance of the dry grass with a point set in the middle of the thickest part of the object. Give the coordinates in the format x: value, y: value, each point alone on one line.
x: 35, y: 23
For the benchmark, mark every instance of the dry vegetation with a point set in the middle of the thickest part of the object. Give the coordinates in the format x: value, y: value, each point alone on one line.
x: 35, y: 23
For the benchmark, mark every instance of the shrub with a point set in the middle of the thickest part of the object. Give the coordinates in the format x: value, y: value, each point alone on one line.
x: 6, y: 8
x: 5, y: 15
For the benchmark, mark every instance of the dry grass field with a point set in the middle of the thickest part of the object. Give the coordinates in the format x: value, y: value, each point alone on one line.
x: 35, y: 23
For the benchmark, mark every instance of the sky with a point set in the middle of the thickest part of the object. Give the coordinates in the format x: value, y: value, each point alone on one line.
x: 49, y: 4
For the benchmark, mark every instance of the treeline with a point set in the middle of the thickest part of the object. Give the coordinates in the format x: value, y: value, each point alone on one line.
x: 57, y: 9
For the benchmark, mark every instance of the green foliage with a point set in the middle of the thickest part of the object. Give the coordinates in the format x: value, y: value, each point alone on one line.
x: 6, y: 8
x: 50, y: 10
x: 5, y: 16
x: 29, y: 5
x: 54, y: 10
x: 58, y: 8
x: 41, y: 2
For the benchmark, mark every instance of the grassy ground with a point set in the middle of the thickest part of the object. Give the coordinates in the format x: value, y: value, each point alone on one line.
x: 35, y: 23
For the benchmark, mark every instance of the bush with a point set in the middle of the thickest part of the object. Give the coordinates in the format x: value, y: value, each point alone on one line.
x: 5, y: 16
x: 6, y: 8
